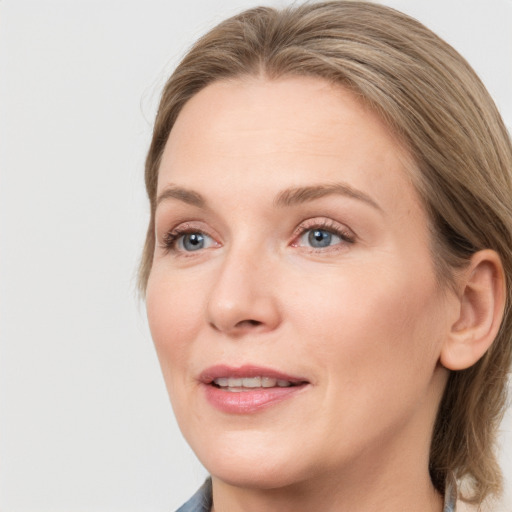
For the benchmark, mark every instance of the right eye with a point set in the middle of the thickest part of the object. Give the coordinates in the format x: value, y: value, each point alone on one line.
x: 187, y: 241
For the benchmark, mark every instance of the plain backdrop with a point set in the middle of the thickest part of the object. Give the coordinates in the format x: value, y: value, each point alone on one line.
x: 85, y: 423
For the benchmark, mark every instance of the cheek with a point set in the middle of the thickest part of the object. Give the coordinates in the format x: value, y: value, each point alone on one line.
x: 173, y: 312
x: 374, y: 323
x: 376, y: 345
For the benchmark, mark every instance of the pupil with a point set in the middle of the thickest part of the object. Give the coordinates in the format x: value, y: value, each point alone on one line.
x: 193, y: 241
x: 320, y: 238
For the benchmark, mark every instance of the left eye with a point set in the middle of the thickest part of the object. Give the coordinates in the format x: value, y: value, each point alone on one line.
x: 194, y: 241
x: 319, y: 238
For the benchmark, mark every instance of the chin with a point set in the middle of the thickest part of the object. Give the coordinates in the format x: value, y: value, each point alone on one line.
x: 252, y: 463
x: 264, y: 476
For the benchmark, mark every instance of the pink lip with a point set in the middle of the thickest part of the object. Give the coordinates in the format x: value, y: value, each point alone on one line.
x: 247, y: 402
x: 218, y: 371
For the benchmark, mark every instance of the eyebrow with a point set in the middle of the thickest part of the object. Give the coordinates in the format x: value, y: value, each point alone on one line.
x: 298, y: 195
x: 286, y: 198
x: 181, y: 194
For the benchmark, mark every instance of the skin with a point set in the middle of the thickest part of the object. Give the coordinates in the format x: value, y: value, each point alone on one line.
x: 364, y: 321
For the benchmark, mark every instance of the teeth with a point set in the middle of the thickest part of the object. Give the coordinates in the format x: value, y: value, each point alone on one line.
x: 254, y: 382
x: 242, y: 384
x: 268, y: 382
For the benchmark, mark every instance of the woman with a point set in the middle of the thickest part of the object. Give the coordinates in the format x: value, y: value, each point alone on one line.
x: 327, y: 267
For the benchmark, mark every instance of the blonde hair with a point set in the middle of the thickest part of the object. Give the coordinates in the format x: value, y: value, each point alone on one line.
x: 440, y: 110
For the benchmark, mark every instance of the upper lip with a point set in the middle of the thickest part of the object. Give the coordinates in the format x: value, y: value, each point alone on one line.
x: 218, y: 371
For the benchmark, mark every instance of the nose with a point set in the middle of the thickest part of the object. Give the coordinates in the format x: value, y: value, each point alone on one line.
x: 244, y: 296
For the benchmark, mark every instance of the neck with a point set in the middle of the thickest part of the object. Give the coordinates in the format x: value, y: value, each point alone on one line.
x: 404, y: 490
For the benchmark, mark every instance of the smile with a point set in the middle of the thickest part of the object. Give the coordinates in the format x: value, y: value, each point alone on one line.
x: 236, y: 384
x: 248, y: 389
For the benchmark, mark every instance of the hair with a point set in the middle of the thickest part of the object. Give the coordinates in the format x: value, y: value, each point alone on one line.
x: 440, y: 110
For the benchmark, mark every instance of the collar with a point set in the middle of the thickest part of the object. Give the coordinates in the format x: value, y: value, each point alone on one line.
x: 450, y: 494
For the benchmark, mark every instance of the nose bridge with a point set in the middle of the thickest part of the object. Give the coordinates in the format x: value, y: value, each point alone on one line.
x: 243, y: 296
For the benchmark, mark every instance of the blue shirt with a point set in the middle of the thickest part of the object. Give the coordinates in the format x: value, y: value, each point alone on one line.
x: 201, y: 501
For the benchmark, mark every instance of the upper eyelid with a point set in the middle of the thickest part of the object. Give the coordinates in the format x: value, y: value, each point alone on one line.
x: 322, y: 223
x: 304, y: 224
x: 170, y: 221
x: 183, y: 226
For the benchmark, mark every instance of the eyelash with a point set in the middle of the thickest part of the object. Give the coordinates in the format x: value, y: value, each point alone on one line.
x: 346, y: 235
x: 171, y: 238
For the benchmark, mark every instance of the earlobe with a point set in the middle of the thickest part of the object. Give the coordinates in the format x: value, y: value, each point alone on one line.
x: 482, y: 302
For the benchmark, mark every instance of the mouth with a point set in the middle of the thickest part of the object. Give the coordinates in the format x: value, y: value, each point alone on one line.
x: 247, y: 389
x: 245, y: 384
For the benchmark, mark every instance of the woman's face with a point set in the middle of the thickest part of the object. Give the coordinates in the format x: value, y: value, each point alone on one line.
x: 293, y: 300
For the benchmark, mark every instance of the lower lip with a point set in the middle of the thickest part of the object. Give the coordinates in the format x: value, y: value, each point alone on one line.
x: 247, y: 402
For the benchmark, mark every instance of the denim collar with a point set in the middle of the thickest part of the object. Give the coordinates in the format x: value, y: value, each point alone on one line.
x: 450, y: 494
x: 201, y: 501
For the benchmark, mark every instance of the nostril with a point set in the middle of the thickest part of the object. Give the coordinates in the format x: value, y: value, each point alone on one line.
x: 238, y: 327
x: 248, y: 323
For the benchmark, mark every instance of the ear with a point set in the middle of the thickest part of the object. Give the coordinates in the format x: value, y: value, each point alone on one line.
x: 482, y: 303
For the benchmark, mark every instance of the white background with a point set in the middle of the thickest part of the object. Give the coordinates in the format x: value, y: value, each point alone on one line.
x: 85, y: 423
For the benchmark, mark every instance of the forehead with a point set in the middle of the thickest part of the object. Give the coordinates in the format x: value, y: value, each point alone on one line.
x: 262, y: 134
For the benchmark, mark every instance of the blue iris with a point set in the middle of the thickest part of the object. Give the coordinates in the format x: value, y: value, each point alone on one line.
x: 319, y: 238
x: 193, y: 241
